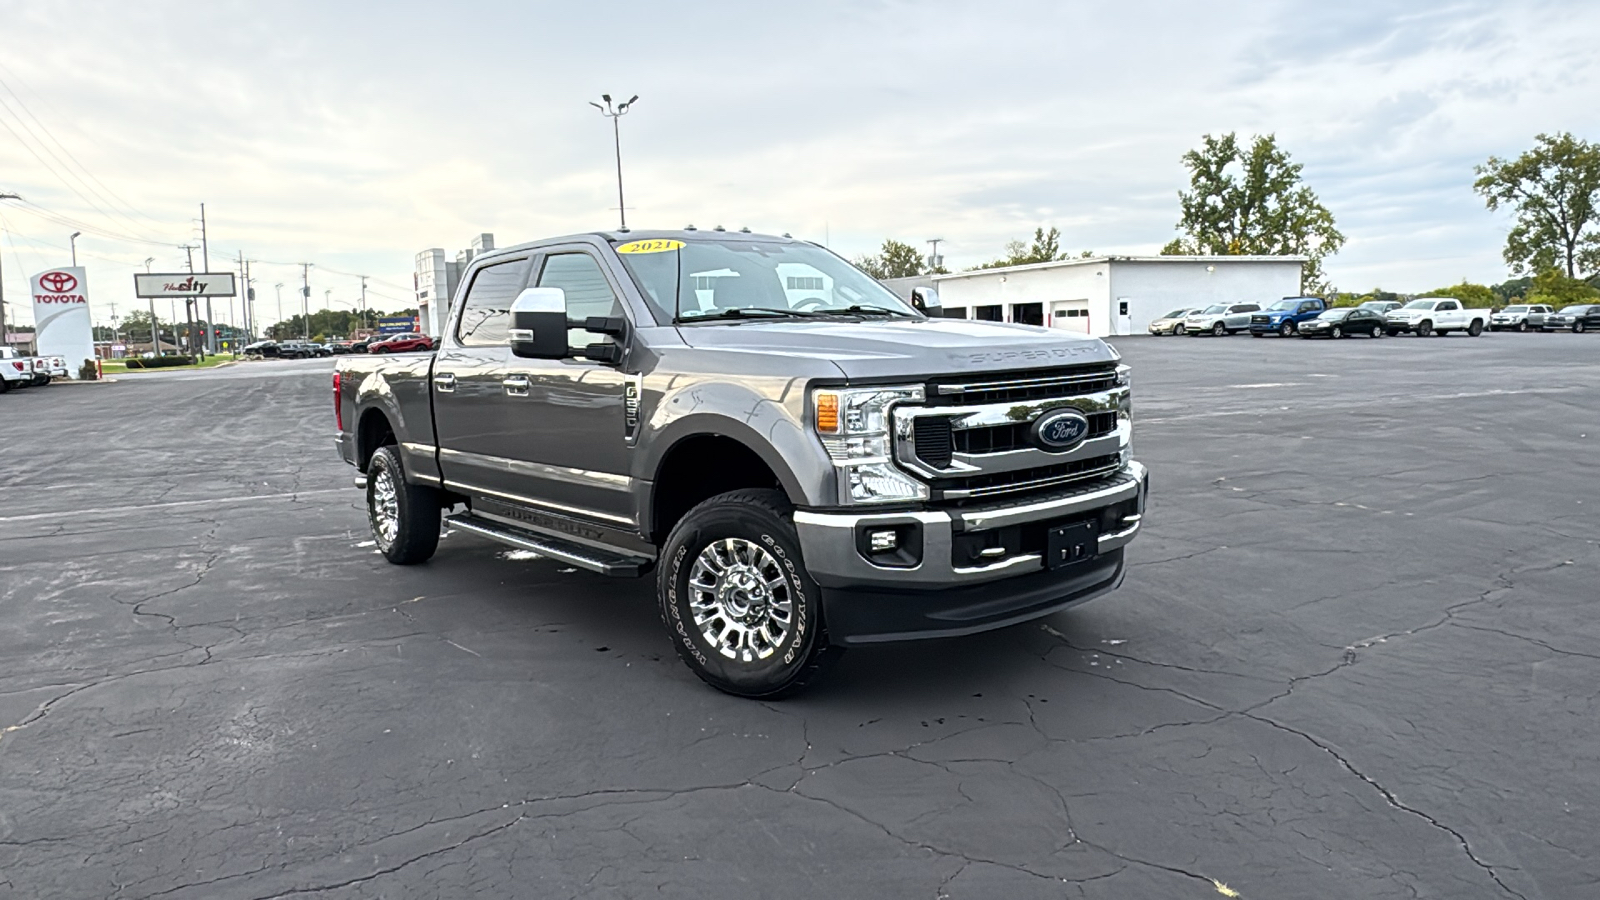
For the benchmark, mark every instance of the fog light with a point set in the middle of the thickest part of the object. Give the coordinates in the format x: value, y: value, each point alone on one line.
x: 883, y: 541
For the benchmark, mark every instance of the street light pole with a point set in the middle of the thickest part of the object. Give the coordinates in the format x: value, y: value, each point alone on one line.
x: 5, y: 336
x: 616, y: 136
x: 74, y: 242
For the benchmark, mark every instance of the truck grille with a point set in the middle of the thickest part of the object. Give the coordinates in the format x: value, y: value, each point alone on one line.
x: 937, y: 441
x: 1260, y: 320
x: 976, y: 487
x: 1043, y: 385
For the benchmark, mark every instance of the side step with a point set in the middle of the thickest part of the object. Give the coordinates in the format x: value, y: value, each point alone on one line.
x: 584, y: 557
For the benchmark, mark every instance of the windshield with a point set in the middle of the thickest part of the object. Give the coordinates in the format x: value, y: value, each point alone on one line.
x: 1333, y: 314
x: 1285, y: 304
x: 704, y: 278
x: 1515, y: 309
x: 1374, y: 304
x: 1420, y: 304
x: 1574, y: 310
x: 1177, y: 314
x: 1213, y: 310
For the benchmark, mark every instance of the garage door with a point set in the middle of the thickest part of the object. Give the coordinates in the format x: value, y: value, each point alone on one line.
x: 1070, y: 315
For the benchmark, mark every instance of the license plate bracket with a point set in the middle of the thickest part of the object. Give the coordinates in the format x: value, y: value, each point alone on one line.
x: 1067, y: 545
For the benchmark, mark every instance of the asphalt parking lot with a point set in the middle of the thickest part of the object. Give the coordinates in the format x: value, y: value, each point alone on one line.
x: 1356, y: 656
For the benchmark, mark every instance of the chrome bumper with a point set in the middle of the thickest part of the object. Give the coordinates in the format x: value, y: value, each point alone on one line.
x: 828, y: 540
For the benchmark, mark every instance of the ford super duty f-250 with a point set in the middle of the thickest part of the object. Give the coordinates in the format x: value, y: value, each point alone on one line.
x: 803, y: 460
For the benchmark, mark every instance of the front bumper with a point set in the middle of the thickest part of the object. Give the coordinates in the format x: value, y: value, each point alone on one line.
x: 866, y: 602
x: 1265, y: 327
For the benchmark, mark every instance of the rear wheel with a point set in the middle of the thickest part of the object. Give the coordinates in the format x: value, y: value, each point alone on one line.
x: 1475, y: 329
x: 404, y: 517
x: 737, y: 601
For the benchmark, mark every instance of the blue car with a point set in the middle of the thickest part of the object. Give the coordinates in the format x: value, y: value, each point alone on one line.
x: 1284, y: 317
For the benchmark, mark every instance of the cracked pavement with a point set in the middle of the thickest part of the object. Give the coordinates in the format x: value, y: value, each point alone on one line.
x: 1355, y: 656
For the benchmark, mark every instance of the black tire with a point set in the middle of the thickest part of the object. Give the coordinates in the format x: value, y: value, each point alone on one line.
x: 1376, y: 332
x: 1523, y: 325
x: 1475, y: 329
x: 1287, y: 329
x: 1578, y: 327
x: 1179, y: 329
x: 1257, y: 334
x: 1338, y: 332
x: 1424, y: 328
x: 4, y: 385
x: 1218, y: 330
x: 1393, y: 332
x: 759, y: 524
x: 416, y: 511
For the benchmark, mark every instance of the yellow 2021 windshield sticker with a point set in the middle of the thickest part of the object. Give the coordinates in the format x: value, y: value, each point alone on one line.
x: 657, y: 246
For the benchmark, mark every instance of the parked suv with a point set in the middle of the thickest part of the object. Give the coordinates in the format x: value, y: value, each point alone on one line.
x: 1221, y: 318
x: 802, y: 460
x: 401, y: 343
x: 1580, y: 318
x: 1522, y: 317
x: 1284, y: 316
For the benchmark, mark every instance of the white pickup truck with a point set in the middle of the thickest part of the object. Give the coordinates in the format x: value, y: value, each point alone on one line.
x: 16, y: 370
x: 1436, y: 315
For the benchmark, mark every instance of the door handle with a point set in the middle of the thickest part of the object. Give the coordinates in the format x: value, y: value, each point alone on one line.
x: 444, y: 382
x: 516, y: 385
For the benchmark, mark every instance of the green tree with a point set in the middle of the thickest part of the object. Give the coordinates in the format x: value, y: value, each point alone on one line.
x: 1245, y: 202
x: 1045, y: 247
x: 1512, y: 291
x: 1555, y: 189
x: 893, y: 260
x: 1552, y: 286
x: 1475, y: 296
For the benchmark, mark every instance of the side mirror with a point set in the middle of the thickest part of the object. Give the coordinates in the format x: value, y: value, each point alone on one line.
x: 926, y: 301
x: 539, y: 324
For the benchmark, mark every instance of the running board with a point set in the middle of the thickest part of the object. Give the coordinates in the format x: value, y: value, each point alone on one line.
x: 584, y: 557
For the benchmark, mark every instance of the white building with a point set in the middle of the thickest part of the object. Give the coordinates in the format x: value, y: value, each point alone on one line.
x: 436, y: 278
x: 1106, y: 295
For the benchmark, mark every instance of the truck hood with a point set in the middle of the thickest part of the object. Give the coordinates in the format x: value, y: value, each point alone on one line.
x: 908, y: 348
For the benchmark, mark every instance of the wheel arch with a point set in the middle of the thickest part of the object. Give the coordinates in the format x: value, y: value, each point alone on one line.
x: 700, y: 459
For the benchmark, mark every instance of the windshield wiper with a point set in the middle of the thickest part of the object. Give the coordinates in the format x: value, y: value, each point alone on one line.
x: 751, y: 312
x: 859, y: 310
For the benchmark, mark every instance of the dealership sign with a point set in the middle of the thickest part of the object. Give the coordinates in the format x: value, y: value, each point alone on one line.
x: 183, y: 284
x: 397, y: 324
x: 61, y: 321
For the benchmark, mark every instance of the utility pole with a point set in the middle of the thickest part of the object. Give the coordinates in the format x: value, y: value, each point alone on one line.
x: 616, y: 136
x: 155, y: 328
x: 244, y: 299
x: 363, y: 303
x: 5, y: 336
x: 279, y: 288
x: 205, y: 260
x: 305, y: 298
x: 189, y: 309
x: 934, y: 259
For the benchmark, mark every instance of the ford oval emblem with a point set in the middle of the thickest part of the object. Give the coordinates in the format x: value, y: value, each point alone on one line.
x: 1061, y: 430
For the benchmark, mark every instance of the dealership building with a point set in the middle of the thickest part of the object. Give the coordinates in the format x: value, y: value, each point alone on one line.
x: 436, y: 279
x: 1108, y: 295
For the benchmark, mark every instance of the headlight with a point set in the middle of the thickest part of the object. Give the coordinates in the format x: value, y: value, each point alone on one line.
x: 854, y: 427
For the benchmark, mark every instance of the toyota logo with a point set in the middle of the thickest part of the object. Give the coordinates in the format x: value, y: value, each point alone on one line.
x: 58, y: 282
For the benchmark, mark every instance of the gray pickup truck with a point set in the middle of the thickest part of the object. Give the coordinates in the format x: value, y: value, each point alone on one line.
x: 803, y: 460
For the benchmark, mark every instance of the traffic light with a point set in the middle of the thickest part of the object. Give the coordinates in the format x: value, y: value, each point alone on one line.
x: 250, y: 294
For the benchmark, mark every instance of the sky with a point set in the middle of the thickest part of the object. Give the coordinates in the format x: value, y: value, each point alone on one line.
x: 354, y: 136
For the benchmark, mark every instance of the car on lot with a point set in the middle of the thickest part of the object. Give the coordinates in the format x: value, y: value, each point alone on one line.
x: 360, y: 345
x: 1579, y: 317
x: 1283, y: 317
x: 1436, y: 315
x: 409, y: 342
x: 1380, y: 306
x: 263, y: 349
x: 1343, y: 322
x: 1172, y: 322
x: 16, y: 370
x: 1520, y: 317
x: 1219, y: 319
x: 802, y: 460
x: 295, y: 350
x: 48, y: 368
x: 339, y: 348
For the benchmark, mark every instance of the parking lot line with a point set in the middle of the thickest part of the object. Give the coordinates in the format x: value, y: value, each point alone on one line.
x: 120, y: 510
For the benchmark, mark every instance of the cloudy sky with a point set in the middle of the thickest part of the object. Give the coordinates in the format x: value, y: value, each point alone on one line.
x: 354, y: 135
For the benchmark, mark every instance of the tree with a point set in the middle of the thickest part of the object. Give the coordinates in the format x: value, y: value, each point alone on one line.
x: 894, y: 260
x: 1253, y: 202
x: 1474, y: 296
x: 1552, y: 286
x: 1046, y: 247
x: 1555, y: 189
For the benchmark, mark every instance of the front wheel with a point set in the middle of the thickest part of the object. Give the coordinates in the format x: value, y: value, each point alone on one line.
x: 1286, y: 329
x: 1393, y: 332
x: 1523, y: 325
x: 1424, y: 328
x: 1376, y: 332
x: 737, y: 601
x: 1218, y: 330
x: 404, y: 517
x: 1257, y: 334
x: 1178, y: 329
x: 1338, y: 332
x: 1578, y: 327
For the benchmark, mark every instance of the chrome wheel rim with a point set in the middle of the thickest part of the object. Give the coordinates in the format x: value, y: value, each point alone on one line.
x: 740, y: 599
x: 385, y: 507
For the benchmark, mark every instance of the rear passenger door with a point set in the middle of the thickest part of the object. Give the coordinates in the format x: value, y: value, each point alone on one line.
x: 469, y: 401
